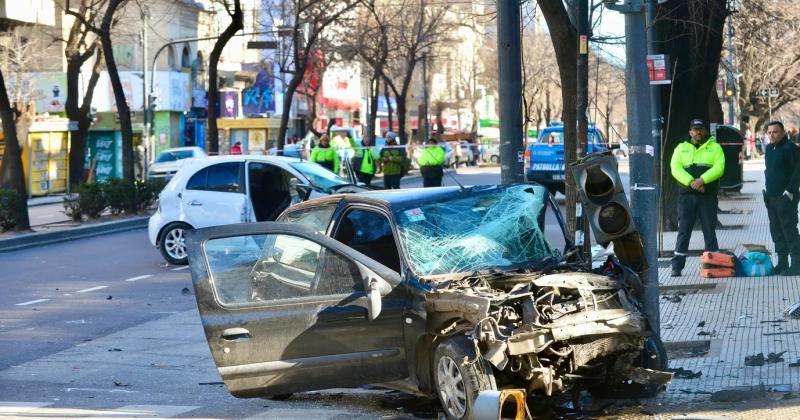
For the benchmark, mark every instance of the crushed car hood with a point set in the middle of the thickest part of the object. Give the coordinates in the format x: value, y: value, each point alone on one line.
x: 547, y: 331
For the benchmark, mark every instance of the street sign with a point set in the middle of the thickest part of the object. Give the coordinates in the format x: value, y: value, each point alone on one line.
x: 773, y: 92
x: 658, y: 65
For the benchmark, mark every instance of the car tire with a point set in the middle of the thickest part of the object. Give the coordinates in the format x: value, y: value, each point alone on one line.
x: 458, y: 381
x: 494, y: 159
x: 172, y: 243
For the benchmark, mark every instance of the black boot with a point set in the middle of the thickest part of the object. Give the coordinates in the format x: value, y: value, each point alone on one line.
x: 783, y: 264
x: 794, y: 270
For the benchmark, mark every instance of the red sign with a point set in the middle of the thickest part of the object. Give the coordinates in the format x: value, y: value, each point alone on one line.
x: 658, y: 66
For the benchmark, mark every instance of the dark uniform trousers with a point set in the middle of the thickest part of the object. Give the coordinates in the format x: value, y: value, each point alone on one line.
x: 692, y: 206
x: 431, y: 175
x: 782, y: 214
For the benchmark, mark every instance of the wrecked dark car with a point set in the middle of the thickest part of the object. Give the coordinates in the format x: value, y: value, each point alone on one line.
x: 442, y: 291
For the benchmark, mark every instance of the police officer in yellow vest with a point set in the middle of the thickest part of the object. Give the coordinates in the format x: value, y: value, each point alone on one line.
x: 697, y: 165
x: 365, y: 161
x: 325, y: 155
x: 430, y: 163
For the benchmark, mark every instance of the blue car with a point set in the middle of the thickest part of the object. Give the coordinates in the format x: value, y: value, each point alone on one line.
x: 544, y: 159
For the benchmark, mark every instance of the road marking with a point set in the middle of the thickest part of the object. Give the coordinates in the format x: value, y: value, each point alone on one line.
x: 18, y: 408
x: 47, y: 410
x: 32, y: 302
x: 91, y: 289
x: 180, y: 268
x: 139, y: 277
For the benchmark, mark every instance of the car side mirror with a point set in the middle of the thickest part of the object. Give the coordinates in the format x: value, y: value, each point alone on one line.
x: 376, y: 288
x: 304, y: 191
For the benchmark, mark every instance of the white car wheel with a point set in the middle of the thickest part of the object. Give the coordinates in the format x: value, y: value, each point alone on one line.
x: 173, y: 244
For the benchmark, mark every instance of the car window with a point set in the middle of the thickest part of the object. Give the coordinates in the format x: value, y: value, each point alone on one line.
x: 553, y: 137
x: 271, y: 190
x: 271, y: 268
x: 171, y: 156
x: 370, y: 233
x: 223, y: 177
x: 314, y: 218
x: 197, y: 181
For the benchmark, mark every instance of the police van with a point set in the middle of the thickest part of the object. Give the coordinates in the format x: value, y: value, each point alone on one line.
x: 544, y: 159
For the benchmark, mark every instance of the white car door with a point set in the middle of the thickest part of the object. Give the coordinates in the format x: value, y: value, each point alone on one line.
x: 215, y: 195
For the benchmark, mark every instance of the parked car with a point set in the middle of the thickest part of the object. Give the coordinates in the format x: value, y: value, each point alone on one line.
x: 167, y: 162
x: 492, y: 153
x: 544, y: 159
x: 234, y: 189
x: 443, y: 291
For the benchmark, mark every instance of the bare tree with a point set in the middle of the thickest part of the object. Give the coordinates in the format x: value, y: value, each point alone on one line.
x: 421, y: 31
x: 760, y: 26
x: 307, y: 21
x: 108, y: 20
x: 17, y: 96
x: 234, y: 10
x: 81, y: 46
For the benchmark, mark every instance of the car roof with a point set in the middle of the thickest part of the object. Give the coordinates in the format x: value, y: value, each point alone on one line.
x: 177, y: 149
x: 191, y: 165
x: 397, y: 198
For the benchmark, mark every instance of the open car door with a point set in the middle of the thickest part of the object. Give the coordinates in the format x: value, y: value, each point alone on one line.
x: 285, y: 309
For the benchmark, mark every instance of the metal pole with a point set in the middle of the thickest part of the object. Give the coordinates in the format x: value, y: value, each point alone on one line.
x: 510, y: 91
x: 655, y: 109
x: 731, y: 75
x: 145, y: 104
x: 427, y: 130
x: 583, y: 237
x: 644, y: 201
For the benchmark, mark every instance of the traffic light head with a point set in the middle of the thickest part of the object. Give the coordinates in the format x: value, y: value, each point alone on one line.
x: 603, y: 197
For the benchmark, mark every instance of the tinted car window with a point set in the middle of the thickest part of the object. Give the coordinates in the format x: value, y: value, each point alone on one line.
x: 223, y: 177
x: 261, y: 269
x: 315, y: 218
x: 197, y: 181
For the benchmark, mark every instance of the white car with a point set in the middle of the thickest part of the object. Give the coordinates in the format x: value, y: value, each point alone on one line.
x: 230, y: 189
x: 167, y: 162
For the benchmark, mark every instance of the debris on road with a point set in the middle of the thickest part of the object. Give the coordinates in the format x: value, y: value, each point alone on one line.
x: 675, y: 298
x: 114, y: 349
x: 736, y: 395
x: 186, y: 291
x: 775, y: 357
x: 121, y: 384
x: 754, y: 360
x: 109, y: 297
x: 792, y: 311
x: 682, y: 373
x: 712, y: 333
x: 795, y: 364
x: 701, y: 324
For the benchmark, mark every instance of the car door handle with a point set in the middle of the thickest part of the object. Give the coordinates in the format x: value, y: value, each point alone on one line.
x: 194, y: 203
x: 236, y: 334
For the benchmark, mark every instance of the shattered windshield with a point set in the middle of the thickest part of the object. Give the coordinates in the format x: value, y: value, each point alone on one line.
x: 500, y: 228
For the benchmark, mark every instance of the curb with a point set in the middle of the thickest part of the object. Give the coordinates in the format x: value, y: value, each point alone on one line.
x: 30, y: 240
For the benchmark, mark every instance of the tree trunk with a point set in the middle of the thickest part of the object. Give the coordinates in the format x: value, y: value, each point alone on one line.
x: 693, y: 41
x: 372, y: 118
x: 237, y: 24
x: 401, y: 119
x: 79, y: 113
x: 288, y: 96
x: 565, y: 43
x: 12, y: 173
x: 389, y: 109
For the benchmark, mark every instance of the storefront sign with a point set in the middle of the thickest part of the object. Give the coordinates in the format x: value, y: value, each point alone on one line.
x: 259, y: 98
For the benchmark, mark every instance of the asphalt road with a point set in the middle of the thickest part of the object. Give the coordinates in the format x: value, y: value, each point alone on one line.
x: 72, y: 315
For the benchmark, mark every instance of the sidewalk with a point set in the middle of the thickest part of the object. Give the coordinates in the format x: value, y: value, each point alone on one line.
x: 711, y: 325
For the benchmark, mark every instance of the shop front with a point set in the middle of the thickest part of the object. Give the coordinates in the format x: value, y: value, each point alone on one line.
x: 257, y: 135
x: 45, y: 157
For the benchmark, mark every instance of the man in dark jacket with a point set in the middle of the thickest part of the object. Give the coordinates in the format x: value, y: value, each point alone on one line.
x: 781, y: 196
x: 697, y: 165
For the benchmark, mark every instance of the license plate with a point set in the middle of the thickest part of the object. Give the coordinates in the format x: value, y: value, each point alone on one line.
x: 558, y: 177
x: 547, y: 167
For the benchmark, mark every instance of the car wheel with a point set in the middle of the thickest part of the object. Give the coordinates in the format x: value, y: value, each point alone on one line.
x: 458, y: 382
x: 495, y: 159
x: 172, y: 243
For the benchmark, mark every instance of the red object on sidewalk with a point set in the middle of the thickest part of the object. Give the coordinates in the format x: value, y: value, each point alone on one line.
x: 718, y: 259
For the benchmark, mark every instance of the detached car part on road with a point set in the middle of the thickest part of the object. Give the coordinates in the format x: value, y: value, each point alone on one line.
x: 443, y: 291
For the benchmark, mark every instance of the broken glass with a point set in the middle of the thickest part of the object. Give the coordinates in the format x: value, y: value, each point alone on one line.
x: 498, y: 228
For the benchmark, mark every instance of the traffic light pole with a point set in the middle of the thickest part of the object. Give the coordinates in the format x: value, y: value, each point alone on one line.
x: 585, y: 239
x: 644, y: 197
x: 510, y: 91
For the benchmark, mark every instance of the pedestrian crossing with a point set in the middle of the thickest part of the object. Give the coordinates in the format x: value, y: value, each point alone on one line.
x: 48, y: 410
x: 51, y: 410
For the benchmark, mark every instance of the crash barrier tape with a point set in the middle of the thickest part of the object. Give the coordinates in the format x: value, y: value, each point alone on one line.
x: 495, y: 405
